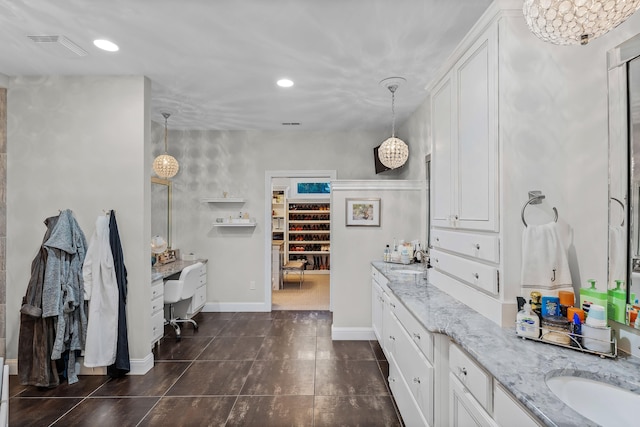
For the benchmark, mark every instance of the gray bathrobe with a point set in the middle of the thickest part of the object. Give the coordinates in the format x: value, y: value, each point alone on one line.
x: 62, y: 294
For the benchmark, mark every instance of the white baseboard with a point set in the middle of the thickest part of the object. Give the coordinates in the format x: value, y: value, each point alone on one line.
x: 352, y: 334
x: 138, y: 367
x: 215, y: 307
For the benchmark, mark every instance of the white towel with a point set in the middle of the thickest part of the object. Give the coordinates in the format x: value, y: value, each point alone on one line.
x: 544, y: 258
x: 617, y: 255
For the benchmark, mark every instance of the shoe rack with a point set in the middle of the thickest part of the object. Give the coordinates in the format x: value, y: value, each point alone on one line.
x: 309, y: 233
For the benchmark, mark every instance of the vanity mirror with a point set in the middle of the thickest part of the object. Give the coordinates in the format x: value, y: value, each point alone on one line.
x: 624, y: 173
x: 161, y: 209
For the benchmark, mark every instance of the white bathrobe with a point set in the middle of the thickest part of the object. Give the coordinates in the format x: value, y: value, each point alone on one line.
x: 101, y: 289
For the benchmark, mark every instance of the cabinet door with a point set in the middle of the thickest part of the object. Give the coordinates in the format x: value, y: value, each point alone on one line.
x: 506, y: 411
x: 377, y: 306
x: 464, y: 410
x: 476, y: 202
x: 442, y: 129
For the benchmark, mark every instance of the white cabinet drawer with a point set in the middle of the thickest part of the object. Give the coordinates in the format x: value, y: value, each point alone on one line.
x: 198, y: 300
x: 416, y: 370
x: 485, y: 247
x: 464, y: 410
x: 378, y: 277
x: 506, y: 411
x: 481, y: 276
x: 157, y: 289
x: 157, y: 326
x: 422, y: 338
x: 411, y: 414
x: 475, y: 379
x: 157, y: 305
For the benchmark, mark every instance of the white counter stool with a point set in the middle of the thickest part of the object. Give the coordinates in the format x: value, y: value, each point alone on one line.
x: 296, y: 266
x: 179, y: 290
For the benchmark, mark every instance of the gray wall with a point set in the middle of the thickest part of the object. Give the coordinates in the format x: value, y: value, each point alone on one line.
x: 79, y: 143
x: 236, y: 161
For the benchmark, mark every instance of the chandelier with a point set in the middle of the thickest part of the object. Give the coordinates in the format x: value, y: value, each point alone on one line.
x: 568, y: 22
x: 393, y: 152
x: 165, y: 166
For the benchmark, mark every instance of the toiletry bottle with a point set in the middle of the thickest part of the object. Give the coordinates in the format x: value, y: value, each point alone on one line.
x: 576, y: 329
x: 527, y: 323
x: 590, y: 296
x: 617, y: 302
x: 386, y: 254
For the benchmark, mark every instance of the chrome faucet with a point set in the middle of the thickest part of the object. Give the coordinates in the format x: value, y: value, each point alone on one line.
x: 425, y: 260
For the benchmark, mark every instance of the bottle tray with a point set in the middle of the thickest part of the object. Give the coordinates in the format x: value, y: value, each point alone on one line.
x: 577, y: 340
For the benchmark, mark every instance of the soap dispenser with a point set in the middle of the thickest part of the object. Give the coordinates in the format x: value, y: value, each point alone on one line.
x: 527, y: 323
x: 590, y: 296
x: 617, y: 303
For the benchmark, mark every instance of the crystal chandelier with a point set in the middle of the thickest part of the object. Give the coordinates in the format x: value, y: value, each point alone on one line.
x: 393, y: 152
x: 165, y: 166
x: 567, y: 22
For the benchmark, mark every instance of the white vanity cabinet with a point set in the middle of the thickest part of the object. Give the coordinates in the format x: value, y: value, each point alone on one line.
x: 409, y: 349
x: 157, y: 311
x: 200, y: 296
x: 476, y: 399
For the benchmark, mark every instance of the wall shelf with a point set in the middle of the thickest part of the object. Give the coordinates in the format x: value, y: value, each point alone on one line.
x: 222, y: 200
x: 235, y: 224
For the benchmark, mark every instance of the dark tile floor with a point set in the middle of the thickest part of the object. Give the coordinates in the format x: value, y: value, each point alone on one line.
x: 238, y: 369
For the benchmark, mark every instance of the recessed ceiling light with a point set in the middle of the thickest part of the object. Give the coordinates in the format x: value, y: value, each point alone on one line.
x: 284, y: 83
x: 106, y: 45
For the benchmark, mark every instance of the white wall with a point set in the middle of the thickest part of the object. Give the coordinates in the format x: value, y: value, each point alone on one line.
x: 79, y: 143
x: 353, y: 248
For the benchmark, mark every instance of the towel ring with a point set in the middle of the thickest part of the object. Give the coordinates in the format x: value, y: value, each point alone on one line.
x: 622, y: 206
x: 535, y: 200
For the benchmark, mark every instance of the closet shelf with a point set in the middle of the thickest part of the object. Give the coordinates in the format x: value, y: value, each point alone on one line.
x: 235, y: 224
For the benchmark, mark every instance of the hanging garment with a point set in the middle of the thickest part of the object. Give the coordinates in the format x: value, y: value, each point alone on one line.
x: 37, y: 333
x: 122, y: 365
x: 63, y: 289
x: 101, y: 290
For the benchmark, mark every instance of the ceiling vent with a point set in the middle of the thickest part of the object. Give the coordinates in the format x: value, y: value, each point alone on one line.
x: 291, y: 124
x: 59, y: 46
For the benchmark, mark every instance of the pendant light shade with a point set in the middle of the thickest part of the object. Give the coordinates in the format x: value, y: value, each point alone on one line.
x: 165, y: 166
x: 393, y: 152
x: 570, y: 22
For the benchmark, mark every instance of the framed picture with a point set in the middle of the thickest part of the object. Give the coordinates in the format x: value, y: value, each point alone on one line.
x: 363, y: 212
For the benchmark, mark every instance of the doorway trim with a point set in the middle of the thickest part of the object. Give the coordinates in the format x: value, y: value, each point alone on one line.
x: 268, y: 176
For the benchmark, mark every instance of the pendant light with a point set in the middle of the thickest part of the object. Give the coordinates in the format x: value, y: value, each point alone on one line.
x: 570, y: 22
x: 165, y: 166
x: 393, y: 152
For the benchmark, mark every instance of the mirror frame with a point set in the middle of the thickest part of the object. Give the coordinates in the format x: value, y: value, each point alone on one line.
x: 167, y: 183
x: 620, y: 179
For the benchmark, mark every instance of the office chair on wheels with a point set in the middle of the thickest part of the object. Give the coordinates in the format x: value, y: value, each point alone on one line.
x: 180, y: 290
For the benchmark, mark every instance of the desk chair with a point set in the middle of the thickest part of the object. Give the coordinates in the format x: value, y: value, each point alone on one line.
x: 180, y: 290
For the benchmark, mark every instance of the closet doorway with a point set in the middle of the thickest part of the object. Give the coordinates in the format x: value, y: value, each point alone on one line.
x: 297, y: 245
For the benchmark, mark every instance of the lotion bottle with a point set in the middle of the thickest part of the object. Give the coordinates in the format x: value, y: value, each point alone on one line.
x: 527, y: 323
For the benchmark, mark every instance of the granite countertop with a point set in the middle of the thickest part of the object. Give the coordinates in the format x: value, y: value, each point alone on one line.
x: 521, y: 366
x: 161, y: 272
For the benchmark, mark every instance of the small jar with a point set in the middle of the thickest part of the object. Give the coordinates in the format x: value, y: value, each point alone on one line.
x: 556, y: 329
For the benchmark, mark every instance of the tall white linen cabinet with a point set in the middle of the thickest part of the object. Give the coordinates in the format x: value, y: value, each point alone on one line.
x: 488, y: 150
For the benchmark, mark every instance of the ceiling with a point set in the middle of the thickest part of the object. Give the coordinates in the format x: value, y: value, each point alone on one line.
x: 213, y: 64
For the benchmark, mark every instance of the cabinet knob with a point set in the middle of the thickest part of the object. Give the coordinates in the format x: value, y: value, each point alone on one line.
x: 456, y: 217
x: 392, y: 380
x: 416, y: 380
x: 416, y: 335
x: 392, y: 305
x: 478, y: 246
x: 391, y: 337
x: 438, y: 239
x: 462, y: 371
x: 476, y: 275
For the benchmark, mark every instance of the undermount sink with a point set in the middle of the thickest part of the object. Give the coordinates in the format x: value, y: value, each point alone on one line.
x: 600, y: 402
x: 416, y: 272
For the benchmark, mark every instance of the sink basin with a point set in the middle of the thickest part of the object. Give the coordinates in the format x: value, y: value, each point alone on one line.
x: 600, y: 402
x: 416, y: 272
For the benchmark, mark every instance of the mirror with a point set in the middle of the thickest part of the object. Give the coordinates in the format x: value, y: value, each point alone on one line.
x: 161, y: 209
x: 624, y: 177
